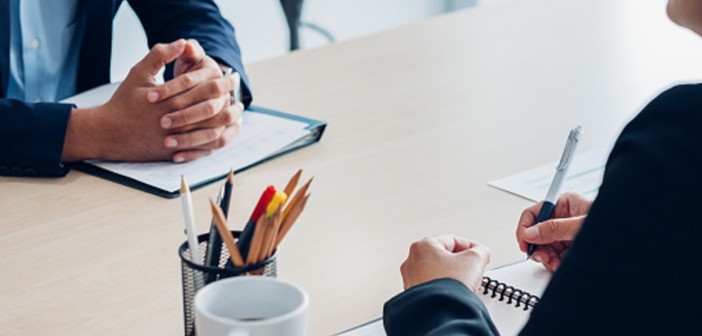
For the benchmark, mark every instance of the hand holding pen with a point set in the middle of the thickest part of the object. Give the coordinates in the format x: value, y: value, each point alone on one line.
x: 549, y: 204
x: 552, y: 237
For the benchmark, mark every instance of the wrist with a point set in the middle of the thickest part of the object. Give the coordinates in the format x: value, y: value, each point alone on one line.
x: 83, y: 134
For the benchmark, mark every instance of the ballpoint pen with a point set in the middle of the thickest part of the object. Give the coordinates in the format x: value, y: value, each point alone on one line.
x: 552, y: 195
x: 214, y: 245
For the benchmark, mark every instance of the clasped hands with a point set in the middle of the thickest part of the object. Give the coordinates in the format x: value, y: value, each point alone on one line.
x: 181, y: 120
x: 465, y: 261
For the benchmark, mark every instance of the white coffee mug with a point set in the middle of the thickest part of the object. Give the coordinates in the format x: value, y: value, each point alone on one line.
x: 251, y: 306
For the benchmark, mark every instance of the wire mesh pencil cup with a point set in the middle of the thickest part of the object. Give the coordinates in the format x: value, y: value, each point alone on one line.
x: 196, y: 276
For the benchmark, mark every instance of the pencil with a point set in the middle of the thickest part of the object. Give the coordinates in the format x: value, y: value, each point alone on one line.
x: 228, y: 186
x: 268, y: 236
x: 292, y: 184
x: 226, y: 236
x: 298, y: 195
x: 256, y: 241
x: 287, y: 222
x: 277, y: 221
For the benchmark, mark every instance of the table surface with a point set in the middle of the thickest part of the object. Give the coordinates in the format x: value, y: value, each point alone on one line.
x: 420, y: 118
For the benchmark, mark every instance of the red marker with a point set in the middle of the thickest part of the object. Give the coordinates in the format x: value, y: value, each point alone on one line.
x: 247, y: 233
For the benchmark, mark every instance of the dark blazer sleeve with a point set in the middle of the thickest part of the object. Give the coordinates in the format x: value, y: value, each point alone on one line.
x: 166, y: 20
x: 634, y: 267
x: 439, y: 307
x: 32, y: 137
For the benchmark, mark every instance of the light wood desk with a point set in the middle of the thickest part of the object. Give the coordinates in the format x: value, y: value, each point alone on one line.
x: 420, y: 119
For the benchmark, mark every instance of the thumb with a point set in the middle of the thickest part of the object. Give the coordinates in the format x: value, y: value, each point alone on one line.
x: 546, y: 232
x: 160, y: 55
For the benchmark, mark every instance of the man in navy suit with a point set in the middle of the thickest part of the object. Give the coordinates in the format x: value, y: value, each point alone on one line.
x: 50, y: 50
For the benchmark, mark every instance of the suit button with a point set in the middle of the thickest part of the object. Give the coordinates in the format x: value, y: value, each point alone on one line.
x: 4, y: 171
x: 16, y: 171
x: 30, y: 172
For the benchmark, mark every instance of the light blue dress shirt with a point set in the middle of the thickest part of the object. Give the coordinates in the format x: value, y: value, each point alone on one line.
x: 45, y: 37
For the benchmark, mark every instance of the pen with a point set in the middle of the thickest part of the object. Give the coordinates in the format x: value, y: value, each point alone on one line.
x: 214, y: 244
x: 193, y: 245
x: 552, y: 195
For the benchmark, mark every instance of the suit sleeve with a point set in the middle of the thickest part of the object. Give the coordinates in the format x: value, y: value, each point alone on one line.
x: 166, y: 21
x: 32, y: 137
x: 439, y: 307
x: 637, y: 258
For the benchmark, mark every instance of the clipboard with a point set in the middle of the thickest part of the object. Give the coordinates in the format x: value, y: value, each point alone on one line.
x: 265, y: 135
x: 314, y: 127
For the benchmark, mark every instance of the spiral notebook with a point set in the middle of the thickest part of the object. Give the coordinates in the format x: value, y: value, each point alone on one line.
x: 509, y: 293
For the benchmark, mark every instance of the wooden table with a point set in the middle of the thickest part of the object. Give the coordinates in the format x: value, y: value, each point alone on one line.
x: 420, y: 118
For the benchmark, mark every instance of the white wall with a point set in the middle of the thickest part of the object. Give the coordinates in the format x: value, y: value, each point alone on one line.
x: 262, y: 32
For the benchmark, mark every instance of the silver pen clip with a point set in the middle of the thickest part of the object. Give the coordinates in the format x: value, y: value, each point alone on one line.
x: 569, y: 150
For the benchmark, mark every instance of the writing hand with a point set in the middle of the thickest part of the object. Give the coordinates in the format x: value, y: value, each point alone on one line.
x: 552, y: 237
x: 445, y: 257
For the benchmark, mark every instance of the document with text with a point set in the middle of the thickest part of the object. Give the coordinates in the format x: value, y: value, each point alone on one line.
x: 584, y: 177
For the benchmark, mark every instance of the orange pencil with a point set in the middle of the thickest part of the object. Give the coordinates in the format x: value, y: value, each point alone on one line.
x: 269, y: 236
x: 292, y: 184
x: 256, y: 241
x: 298, y: 195
x: 287, y: 223
x: 221, y: 223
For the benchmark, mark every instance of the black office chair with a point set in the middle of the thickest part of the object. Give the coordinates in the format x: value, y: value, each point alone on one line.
x: 293, y: 13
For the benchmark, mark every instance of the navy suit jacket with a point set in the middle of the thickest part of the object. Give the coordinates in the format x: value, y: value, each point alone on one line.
x: 634, y: 267
x: 32, y: 135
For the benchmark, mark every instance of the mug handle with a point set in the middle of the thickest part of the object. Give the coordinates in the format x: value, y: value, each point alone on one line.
x: 238, y: 332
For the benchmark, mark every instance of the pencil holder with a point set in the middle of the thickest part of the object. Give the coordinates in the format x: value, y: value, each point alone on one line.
x: 196, y: 276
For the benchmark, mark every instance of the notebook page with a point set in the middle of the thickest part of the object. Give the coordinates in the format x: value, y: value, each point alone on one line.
x: 525, y: 275
x: 509, y: 320
x: 261, y: 136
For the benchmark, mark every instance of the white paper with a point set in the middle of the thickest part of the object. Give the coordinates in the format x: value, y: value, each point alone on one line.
x: 261, y: 136
x: 584, y: 177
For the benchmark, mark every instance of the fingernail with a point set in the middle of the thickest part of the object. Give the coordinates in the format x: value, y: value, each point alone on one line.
x: 178, y: 43
x: 178, y: 158
x: 537, y: 258
x: 531, y: 233
x: 152, y: 96
x: 170, y: 143
x: 166, y: 122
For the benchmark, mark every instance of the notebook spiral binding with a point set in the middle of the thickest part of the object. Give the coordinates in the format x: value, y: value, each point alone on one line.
x: 513, y: 295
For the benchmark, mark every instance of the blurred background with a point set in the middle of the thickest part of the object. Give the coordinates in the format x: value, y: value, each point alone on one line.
x: 263, y: 33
